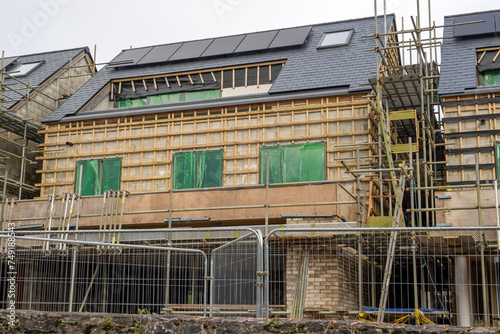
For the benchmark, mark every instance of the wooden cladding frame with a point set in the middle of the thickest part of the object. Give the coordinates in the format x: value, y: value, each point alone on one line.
x: 216, y: 75
x: 470, y: 128
x: 146, y: 143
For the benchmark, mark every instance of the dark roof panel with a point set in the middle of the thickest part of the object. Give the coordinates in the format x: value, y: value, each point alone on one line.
x: 486, y: 27
x: 291, y: 37
x: 307, y: 68
x: 497, y: 22
x: 130, y: 57
x: 256, y: 41
x: 190, y: 50
x: 160, y: 53
x: 223, y: 45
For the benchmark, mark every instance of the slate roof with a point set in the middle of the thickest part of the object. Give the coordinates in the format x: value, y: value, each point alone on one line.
x: 458, y: 59
x: 51, y: 63
x: 306, y: 67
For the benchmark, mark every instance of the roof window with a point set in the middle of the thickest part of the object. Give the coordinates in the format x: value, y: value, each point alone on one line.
x: 24, y: 69
x: 335, y: 38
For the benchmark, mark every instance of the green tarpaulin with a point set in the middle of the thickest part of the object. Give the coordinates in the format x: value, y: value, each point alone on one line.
x: 170, y: 98
x: 198, y: 169
x: 98, y: 176
x: 490, y: 77
x: 496, y: 146
x: 293, y: 163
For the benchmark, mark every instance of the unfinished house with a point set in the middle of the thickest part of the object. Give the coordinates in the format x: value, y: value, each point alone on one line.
x: 31, y: 88
x: 206, y: 118
x: 288, y: 173
x: 469, y: 90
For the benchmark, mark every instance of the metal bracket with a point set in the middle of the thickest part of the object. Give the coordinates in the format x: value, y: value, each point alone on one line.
x: 262, y: 273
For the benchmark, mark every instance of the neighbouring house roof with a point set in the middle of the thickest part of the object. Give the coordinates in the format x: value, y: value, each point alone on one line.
x: 50, y: 63
x: 36, y: 70
x: 458, y: 57
x: 307, y: 67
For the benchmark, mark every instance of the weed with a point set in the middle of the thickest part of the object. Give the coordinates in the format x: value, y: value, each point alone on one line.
x: 479, y: 323
x: 297, y: 329
x: 107, y: 324
x: 58, y: 322
x: 273, y: 325
x: 139, y: 329
x: 143, y: 311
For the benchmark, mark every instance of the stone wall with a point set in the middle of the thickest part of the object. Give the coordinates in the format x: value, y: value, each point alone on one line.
x: 41, y: 322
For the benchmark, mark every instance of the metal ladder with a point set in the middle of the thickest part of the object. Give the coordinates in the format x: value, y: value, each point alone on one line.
x: 391, y: 250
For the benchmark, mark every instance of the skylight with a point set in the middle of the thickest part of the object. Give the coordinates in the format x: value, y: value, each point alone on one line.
x: 24, y: 69
x: 336, y: 38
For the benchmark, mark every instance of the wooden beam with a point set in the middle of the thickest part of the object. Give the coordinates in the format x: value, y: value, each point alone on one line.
x: 496, y: 56
x: 145, y: 86
x: 168, y: 84
x: 154, y: 83
x: 482, y: 56
x: 133, y: 85
x: 205, y: 71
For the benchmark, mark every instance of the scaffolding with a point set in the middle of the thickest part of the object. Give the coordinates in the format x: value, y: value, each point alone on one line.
x: 410, y: 161
x: 15, y: 92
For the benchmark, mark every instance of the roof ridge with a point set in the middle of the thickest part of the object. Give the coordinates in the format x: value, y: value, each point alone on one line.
x: 86, y: 48
x: 466, y: 14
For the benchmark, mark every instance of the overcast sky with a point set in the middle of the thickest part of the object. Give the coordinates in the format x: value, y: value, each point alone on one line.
x: 33, y: 26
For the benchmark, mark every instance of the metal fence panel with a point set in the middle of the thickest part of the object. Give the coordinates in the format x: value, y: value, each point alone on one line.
x: 443, y: 275
x: 97, y: 277
x: 236, y: 285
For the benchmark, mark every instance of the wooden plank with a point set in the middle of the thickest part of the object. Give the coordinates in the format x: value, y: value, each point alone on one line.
x: 400, y: 115
x: 481, y: 57
x: 160, y: 121
x: 496, y: 56
x: 404, y: 148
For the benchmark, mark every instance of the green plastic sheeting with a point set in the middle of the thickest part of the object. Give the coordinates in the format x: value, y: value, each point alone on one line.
x: 209, y: 169
x: 170, y: 98
x: 496, y: 146
x: 132, y: 103
x: 198, y: 169
x: 275, y: 161
x: 98, y: 176
x: 293, y: 163
x: 184, y: 170
x: 111, y: 174
x: 490, y: 77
